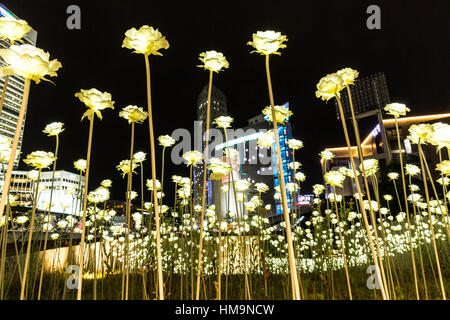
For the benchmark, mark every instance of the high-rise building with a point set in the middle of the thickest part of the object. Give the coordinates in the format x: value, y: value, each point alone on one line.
x: 218, y: 105
x: 218, y: 108
x: 257, y: 164
x: 14, y: 90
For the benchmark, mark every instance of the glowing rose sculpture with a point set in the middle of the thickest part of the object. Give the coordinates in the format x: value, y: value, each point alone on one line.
x: 223, y: 122
x: 96, y: 101
x: 268, y: 42
x: 396, y: 109
x: 329, y: 87
x: 139, y: 157
x: 281, y: 113
x: 213, y: 61
x: 29, y: 62
x: 80, y: 165
x: 125, y: 167
x: 420, y: 133
x: 444, y: 167
x: 266, y: 140
x: 192, y: 157
x: 295, y: 144
x: 133, y: 114
x: 40, y: 159
x: 348, y: 75
x: 146, y: 41
x: 440, y: 136
x: 370, y: 167
x: 219, y: 169
x: 54, y: 128
x: 13, y: 29
x: 335, y: 178
x: 166, y: 141
x: 326, y: 155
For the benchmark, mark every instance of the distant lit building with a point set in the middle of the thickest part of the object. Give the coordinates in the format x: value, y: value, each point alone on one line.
x: 218, y: 107
x: 258, y: 164
x: 68, y: 189
x: 372, y: 146
x: 14, y: 90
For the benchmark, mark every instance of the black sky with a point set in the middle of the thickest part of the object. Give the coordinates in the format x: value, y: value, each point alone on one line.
x: 412, y: 49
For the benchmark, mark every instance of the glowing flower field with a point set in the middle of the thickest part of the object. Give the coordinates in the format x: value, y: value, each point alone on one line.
x: 182, y: 251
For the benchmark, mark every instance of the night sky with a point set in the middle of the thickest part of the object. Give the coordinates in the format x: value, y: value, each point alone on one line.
x: 412, y: 49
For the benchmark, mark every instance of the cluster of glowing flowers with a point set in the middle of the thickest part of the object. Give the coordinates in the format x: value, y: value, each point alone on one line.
x: 80, y: 165
x: 192, y: 157
x: 106, y: 183
x: 166, y: 141
x: 261, y: 187
x: 396, y: 109
x: 335, y: 178
x: 295, y: 144
x: 96, y: 101
x: 326, y: 155
x: 219, y: 169
x: 223, y: 122
x: 254, y: 203
x: 54, y: 128
x: 146, y: 41
x: 393, y: 175
x: 13, y: 29
x: 125, y: 167
x: 40, y: 159
x: 318, y: 189
x: 281, y: 113
x: 387, y: 197
x: 101, y: 194
x: 412, y: 169
x: 268, y: 42
x: 300, y: 176
x: 329, y: 87
x: 440, y: 136
x: 444, y: 167
x: 370, y: 167
x: 139, y: 157
x: 348, y: 75
x: 29, y: 62
x: 213, y: 61
x: 149, y: 184
x: 133, y: 114
x: 242, y: 185
x: 266, y: 140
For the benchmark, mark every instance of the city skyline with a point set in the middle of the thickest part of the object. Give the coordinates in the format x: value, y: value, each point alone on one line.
x: 90, y: 55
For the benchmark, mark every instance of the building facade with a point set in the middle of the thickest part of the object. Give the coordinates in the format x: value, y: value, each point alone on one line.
x: 12, y: 97
x: 372, y: 147
x: 218, y: 108
x: 68, y: 189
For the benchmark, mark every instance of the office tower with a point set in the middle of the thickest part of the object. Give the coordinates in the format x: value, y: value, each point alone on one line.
x: 218, y: 108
